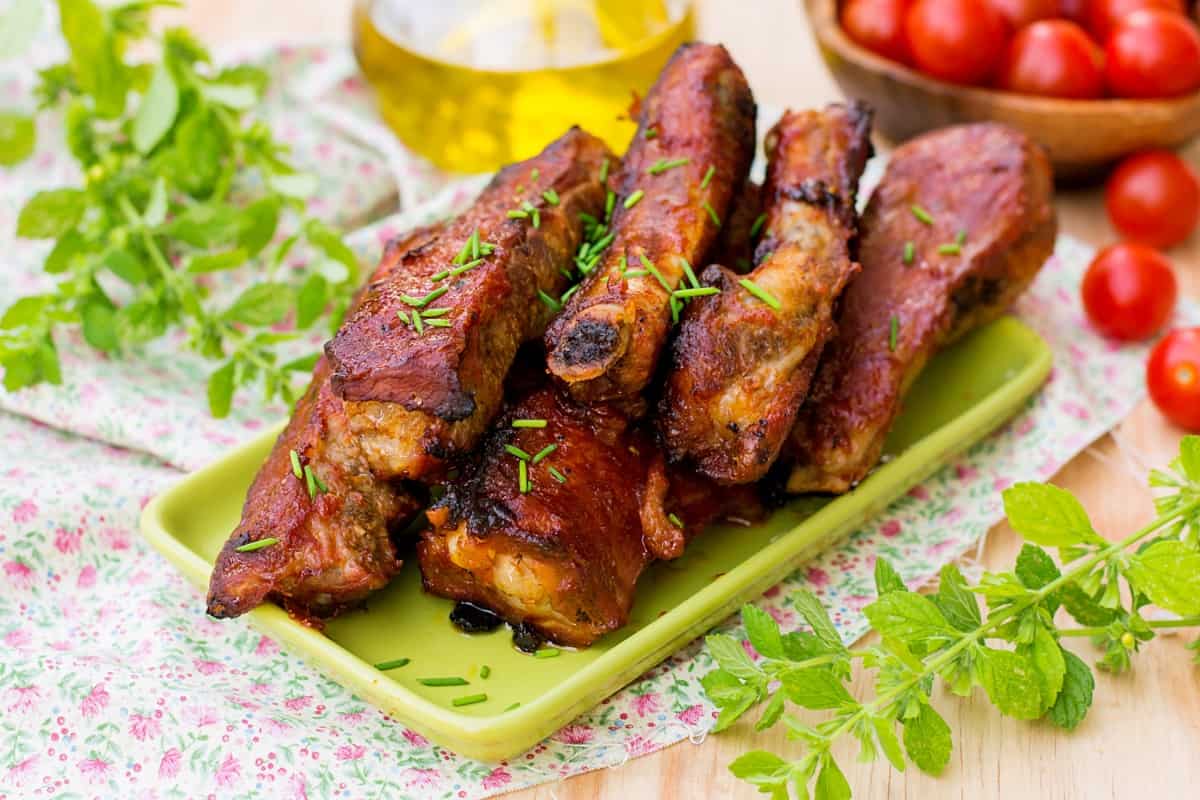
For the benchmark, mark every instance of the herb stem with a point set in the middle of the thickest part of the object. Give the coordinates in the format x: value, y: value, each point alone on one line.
x: 1182, y: 622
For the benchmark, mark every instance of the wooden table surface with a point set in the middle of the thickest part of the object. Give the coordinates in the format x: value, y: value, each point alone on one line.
x: 1143, y: 733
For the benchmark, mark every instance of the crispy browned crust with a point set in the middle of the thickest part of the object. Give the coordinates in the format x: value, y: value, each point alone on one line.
x: 606, y: 343
x: 333, y: 549
x: 416, y: 400
x: 739, y: 368
x: 735, y: 245
x: 565, y: 557
x: 987, y: 180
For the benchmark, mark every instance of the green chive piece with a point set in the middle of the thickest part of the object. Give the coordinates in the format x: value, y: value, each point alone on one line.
x: 533, y: 176
x: 676, y: 306
x: 529, y: 423
x: 893, y: 332
x: 545, y: 451
x: 950, y: 249
x: 675, y: 520
x: 452, y: 681
x: 440, y: 276
x: 421, y: 302
x: 653, y: 270
x: 604, y: 171
x: 632, y: 200
x: 610, y: 200
x: 513, y: 707
x: 759, y: 221
x: 712, y: 214
x: 687, y: 270
x: 467, y: 267
x: 468, y: 700
x: 961, y: 238
x: 485, y: 671
x: 600, y: 244
x: 558, y: 476
x: 910, y: 252
x: 708, y: 176
x: 310, y: 483
x: 547, y: 652
x: 418, y: 324
x: 317, y: 479
x: 513, y: 450
x: 250, y: 547
x: 475, y: 243
x: 486, y: 248
x: 523, y: 477
x: 761, y: 293
x: 553, y: 304
x: 439, y: 323
x: 921, y: 214
x: 435, y: 312
x: 651, y: 132
x: 550, y: 196
x: 403, y: 315
x: 464, y: 252
x: 703, y: 291
x: 297, y: 470
x: 384, y: 666
x: 567, y: 294
x: 537, y: 218
x: 662, y: 165
x: 634, y: 273
x: 515, y: 213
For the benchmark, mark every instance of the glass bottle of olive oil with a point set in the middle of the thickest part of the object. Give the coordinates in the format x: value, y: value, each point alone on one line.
x: 473, y: 84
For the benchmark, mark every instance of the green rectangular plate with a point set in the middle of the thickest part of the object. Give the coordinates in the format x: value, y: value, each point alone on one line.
x: 964, y: 394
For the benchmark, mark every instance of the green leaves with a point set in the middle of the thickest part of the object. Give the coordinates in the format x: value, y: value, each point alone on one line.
x: 1012, y: 684
x: 762, y: 631
x: 95, y: 64
x: 814, y: 688
x: 927, y: 740
x: 261, y: 305
x: 955, y: 600
x: 762, y: 769
x: 1168, y: 572
x: 220, y: 390
x: 886, y: 578
x: 51, y: 213
x: 156, y: 114
x: 100, y: 324
x: 910, y: 617
x: 1075, y: 698
x: 17, y: 138
x: 1046, y: 657
x: 1047, y: 515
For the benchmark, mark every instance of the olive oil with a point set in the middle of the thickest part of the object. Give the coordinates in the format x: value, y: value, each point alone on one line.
x: 474, y: 84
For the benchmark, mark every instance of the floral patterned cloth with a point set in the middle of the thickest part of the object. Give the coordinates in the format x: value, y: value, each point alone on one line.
x: 114, y: 683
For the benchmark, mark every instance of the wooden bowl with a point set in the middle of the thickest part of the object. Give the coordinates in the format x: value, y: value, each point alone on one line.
x: 1082, y: 137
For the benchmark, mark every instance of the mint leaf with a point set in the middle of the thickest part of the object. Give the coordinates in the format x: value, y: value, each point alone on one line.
x: 125, y: 265
x: 1047, y: 515
x: 927, y: 740
x: 1011, y: 683
x: 1075, y: 699
x: 100, y: 325
x: 25, y: 311
x: 50, y: 214
x: 261, y: 305
x: 311, y: 301
x: 220, y: 391
x: 955, y: 601
x: 1168, y: 572
x: 239, y: 98
x: 156, y: 114
x: 17, y: 137
x: 329, y: 242
x: 1035, y: 568
x: 909, y: 617
x: 1083, y: 608
x: 831, y: 783
x: 731, y: 657
x: 257, y: 225
x: 814, y: 688
x: 216, y: 262
x: 815, y: 615
x: 765, y: 770
x: 886, y: 578
x: 886, y: 734
x: 69, y: 246
x: 762, y: 631
x: 199, y: 151
x: 771, y: 713
x: 1046, y: 656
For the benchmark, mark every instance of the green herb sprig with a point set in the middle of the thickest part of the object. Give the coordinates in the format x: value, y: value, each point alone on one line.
x: 1011, y: 648
x: 179, y: 182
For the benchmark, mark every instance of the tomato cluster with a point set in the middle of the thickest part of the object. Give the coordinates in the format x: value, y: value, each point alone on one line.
x: 1076, y: 49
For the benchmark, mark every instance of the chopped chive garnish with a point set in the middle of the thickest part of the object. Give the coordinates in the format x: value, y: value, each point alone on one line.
x: 662, y: 165
x: 545, y: 451
x: 712, y: 214
x: 558, y: 476
x: 467, y: 267
x: 384, y: 666
x: 547, y: 652
x: 513, y: 450
x: 633, y: 199
x: 468, y: 700
x: 435, y: 312
x: 310, y: 483
x: 766, y: 256
x: 516, y: 213
x: 567, y: 294
x: 529, y: 423
x: 602, y: 243
x: 465, y: 251
x: 687, y: 270
x: 523, y: 477
x: 910, y: 252
x: 921, y: 214
x: 418, y: 324
x: 550, y: 196
x: 553, y: 304
x: 421, y: 302
x: 676, y: 306
x: 702, y: 291
x: 759, y: 221
x: 651, y: 132
x: 297, y: 470
x: 474, y: 240
x: 610, y: 200
x: 949, y: 249
x: 634, y: 273
x: 533, y: 176
x: 961, y: 238
x: 440, y: 276
x: 604, y: 171
x: 893, y: 332
x: 317, y: 479
x: 250, y: 547
x: 513, y: 707
x: 761, y: 293
x: 485, y: 671
x: 675, y: 520
x: 453, y: 681
x: 653, y: 270
x: 708, y: 174
x: 439, y: 323
x: 403, y: 315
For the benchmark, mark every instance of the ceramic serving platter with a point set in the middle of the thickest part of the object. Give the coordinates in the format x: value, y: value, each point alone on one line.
x: 965, y: 393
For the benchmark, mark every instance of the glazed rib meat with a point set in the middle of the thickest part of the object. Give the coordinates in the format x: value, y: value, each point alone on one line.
x: 333, y: 545
x: 698, y: 117
x: 735, y: 246
x: 421, y: 363
x: 563, y: 557
x: 741, y: 364
x: 976, y: 204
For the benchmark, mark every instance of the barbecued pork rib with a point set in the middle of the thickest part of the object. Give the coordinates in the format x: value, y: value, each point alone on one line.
x: 693, y: 146
x: 565, y: 555
x: 421, y: 363
x: 735, y: 246
x: 741, y: 365
x: 333, y: 545
x: 985, y: 190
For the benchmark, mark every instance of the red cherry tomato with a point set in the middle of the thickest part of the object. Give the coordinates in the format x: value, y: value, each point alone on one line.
x: 1103, y: 15
x: 878, y: 25
x: 961, y: 41
x: 1154, y: 198
x: 1019, y: 13
x: 1173, y: 377
x: 1153, y: 54
x: 1054, y: 58
x: 1129, y: 291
